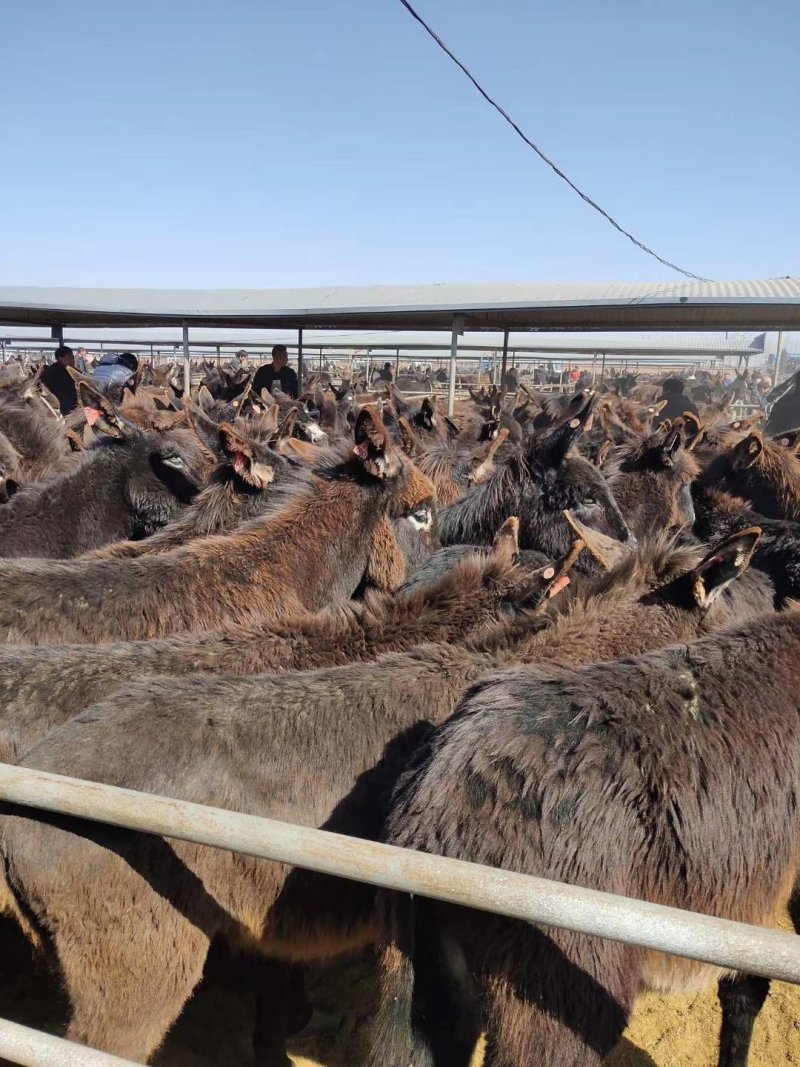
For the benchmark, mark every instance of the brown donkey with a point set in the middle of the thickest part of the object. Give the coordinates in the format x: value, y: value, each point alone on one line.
x: 318, y: 748
x: 645, y: 777
x: 40, y: 688
x: 337, y: 515
x: 238, y: 491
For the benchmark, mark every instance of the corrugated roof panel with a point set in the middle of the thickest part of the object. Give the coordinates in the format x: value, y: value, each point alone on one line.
x: 769, y: 304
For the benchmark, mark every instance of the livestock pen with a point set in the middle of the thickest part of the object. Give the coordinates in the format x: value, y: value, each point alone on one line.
x: 700, y: 937
x: 555, y: 905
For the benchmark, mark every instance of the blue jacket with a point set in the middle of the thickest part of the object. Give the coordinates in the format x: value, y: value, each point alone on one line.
x: 110, y: 375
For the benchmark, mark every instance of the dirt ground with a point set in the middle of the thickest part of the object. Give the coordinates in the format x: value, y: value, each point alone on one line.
x: 215, y: 1028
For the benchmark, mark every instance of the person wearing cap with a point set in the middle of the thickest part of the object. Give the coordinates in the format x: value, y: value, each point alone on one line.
x: 676, y: 402
x: 115, y: 371
x: 57, y: 379
x: 277, y: 371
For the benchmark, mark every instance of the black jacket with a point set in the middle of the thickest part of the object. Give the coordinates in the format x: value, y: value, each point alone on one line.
x: 265, y: 377
x: 56, y: 378
x: 677, y: 404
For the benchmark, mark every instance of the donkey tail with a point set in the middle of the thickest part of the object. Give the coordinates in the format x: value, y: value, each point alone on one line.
x: 10, y: 904
x: 393, y: 1042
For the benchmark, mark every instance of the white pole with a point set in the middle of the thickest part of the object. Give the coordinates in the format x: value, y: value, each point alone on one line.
x: 187, y: 366
x: 778, y: 359
x: 32, y: 1048
x: 458, y: 327
x: 737, y: 946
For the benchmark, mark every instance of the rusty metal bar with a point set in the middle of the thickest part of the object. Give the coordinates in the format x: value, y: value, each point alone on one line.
x: 33, y: 1048
x: 727, y: 944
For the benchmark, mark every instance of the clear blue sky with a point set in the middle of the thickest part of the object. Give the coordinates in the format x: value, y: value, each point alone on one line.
x: 311, y: 142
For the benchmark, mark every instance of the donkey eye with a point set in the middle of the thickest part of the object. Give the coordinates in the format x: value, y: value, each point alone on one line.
x: 422, y: 518
x: 178, y: 462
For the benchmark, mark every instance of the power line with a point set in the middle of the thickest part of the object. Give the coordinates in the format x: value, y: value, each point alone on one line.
x: 639, y: 244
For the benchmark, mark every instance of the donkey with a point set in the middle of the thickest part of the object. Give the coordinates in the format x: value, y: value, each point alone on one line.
x: 40, y: 444
x: 635, y: 777
x: 238, y: 492
x: 340, y: 737
x: 341, y: 514
x: 537, y: 484
x: 762, y: 471
x: 651, y: 482
x: 130, y: 486
x: 718, y: 514
x: 43, y: 687
x: 452, y: 468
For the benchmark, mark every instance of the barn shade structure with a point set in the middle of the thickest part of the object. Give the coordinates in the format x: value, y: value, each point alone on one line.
x: 772, y: 304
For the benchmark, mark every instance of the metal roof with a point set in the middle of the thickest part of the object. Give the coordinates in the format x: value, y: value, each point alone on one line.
x: 745, y: 305
x: 675, y: 344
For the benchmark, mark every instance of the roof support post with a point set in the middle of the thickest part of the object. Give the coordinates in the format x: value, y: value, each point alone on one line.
x: 187, y: 366
x: 57, y: 334
x: 778, y: 359
x: 503, y: 367
x: 458, y: 327
x: 299, y: 360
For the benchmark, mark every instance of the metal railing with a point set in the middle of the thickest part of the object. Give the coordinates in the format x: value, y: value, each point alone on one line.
x: 732, y: 945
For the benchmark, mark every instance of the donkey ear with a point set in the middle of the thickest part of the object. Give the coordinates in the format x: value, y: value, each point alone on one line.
x: 670, y: 447
x: 373, y: 444
x: 506, y: 542
x: 452, y: 430
x: 727, y: 561
x: 749, y: 449
x: 248, y: 461
x: 204, y: 398
x: 427, y: 413
x: 407, y: 440
x: 602, y: 454
x: 103, y: 416
x: 691, y: 425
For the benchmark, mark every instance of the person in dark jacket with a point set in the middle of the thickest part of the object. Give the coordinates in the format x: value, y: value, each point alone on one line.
x: 677, y: 401
x: 56, y: 378
x: 114, y: 372
x: 277, y: 371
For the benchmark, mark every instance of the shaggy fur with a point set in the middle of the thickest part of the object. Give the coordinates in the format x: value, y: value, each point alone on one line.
x: 140, y: 928
x: 239, y: 491
x: 43, y: 687
x: 40, y: 443
x: 120, y: 489
x: 658, y: 777
x: 537, y: 484
x: 719, y: 514
x: 761, y: 471
x: 651, y: 483
x: 337, y: 514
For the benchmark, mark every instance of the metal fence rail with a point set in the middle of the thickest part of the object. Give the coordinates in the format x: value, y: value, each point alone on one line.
x: 33, y: 1048
x: 733, y: 945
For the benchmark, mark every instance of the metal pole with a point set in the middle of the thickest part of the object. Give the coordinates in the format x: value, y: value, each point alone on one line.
x: 458, y: 326
x: 219, y: 357
x: 187, y: 366
x: 504, y: 366
x: 397, y: 364
x: 603, y: 368
x: 733, y: 945
x: 32, y: 1048
x: 300, y: 358
x: 778, y: 359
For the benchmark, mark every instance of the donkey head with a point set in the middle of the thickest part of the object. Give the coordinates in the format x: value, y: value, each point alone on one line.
x: 406, y: 534
x: 252, y: 463
x: 699, y: 588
